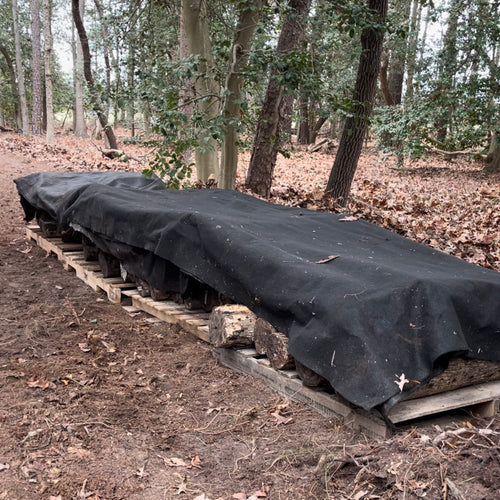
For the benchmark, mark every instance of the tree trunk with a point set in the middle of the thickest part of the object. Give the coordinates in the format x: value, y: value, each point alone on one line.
x: 304, y: 133
x: 267, y: 138
x: 412, y: 47
x: 47, y: 35
x: 131, y: 88
x: 249, y: 16
x: 96, y: 99
x: 107, y: 52
x: 36, y: 69
x: 384, y: 82
x: 493, y: 159
x: 20, y: 71
x: 79, y: 124
x: 356, y: 126
x: 198, y: 39
x: 13, y: 85
x: 448, y: 66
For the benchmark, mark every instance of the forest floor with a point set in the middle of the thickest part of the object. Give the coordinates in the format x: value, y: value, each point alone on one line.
x: 97, y: 403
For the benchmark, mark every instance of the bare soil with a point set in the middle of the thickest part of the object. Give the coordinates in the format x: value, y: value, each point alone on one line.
x: 97, y: 403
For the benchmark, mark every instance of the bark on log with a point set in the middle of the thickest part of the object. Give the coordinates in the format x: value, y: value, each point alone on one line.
x: 273, y: 344
x: 308, y: 377
x: 90, y: 251
x: 231, y: 326
x: 110, y: 267
x: 461, y: 372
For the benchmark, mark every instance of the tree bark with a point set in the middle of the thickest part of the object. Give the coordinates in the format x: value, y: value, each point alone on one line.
x: 20, y: 72
x: 356, y: 125
x: 107, y: 52
x: 47, y: 30
x: 304, y: 132
x: 13, y: 85
x: 273, y: 344
x: 384, y: 82
x: 36, y: 69
x: 412, y: 47
x: 248, y: 18
x: 493, y: 159
x: 87, y: 71
x: 198, y: 40
x: 267, y: 138
x: 79, y: 124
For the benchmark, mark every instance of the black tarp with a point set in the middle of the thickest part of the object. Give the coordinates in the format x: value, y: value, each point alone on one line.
x: 384, y: 307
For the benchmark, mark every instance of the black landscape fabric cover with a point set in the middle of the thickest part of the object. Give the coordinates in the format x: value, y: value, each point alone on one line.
x: 362, y: 306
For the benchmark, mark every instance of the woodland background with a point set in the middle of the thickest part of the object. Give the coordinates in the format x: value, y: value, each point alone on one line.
x: 197, y: 82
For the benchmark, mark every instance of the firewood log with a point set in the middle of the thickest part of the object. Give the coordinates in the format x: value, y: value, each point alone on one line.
x: 231, y: 326
x: 273, y: 344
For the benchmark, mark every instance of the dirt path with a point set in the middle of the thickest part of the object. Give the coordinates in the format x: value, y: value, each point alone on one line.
x: 96, y: 403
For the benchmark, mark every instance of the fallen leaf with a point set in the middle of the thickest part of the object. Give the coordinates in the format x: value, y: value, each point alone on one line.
x: 328, y: 259
x: 349, y: 218
x: 174, y: 462
x: 262, y: 493
x: 109, y: 347
x: 182, y: 487
x: 240, y: 496
x: 195, y: 461
x: 84, y: 347
x: 140, y: 473
x: 280, y: 419
x: 40, y: 383
x: 19, y: 360
x: 4, y: 467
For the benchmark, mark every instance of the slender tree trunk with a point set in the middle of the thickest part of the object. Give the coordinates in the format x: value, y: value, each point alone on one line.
x: 317, y: 127
x: 36, y: 69
x: 384, y: 81
x: 96, y: 99
x: 13, y: 85
x: 131, y: 88
x: 267, y: 138
x: 79, y: 124
x: 47, y: 35
x: 356, y: 126
x: 187, y: 90
x: 304, y: 133
x: 248, y: 18
x: 107, y: 52
x: 448, y: 65
x: 412, y: 48
x: 20, y: 71
x: 194, y: 13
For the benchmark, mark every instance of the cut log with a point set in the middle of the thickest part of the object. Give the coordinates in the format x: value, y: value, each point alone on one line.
x: 110, y: 267
x: 461, y: 372
x: 273, y: 344
x: 309, y: 378
x: 90, y: 251
x: 231, y: 326
x: 49, y: 226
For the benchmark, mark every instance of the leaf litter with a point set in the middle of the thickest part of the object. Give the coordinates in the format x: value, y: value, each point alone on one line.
x: 74, y: 417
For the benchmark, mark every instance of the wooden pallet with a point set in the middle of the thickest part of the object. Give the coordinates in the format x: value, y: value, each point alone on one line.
x: 71, y: 257
x: 482, y: 399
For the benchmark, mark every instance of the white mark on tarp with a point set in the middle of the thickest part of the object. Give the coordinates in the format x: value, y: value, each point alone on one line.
x: 333, y: 358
